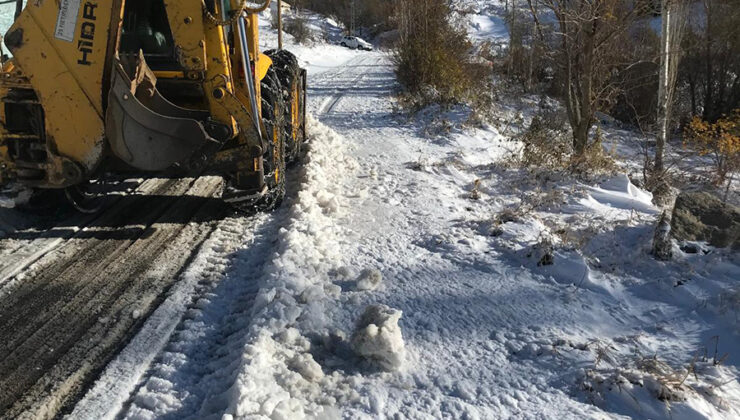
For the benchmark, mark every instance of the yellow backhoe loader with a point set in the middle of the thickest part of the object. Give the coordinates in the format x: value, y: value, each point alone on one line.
x: 172, y: 88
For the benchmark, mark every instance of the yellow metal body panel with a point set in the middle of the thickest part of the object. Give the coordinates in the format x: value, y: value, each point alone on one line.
x: 188, y: 28
x: 233, y: 72
x: 261, y: 61
x: 295, y: 110
x: 262, y: 66
x: 233, y: 105
x: 64, y: 58
x: 218, y: 70
x: 253, y: 35
x: 169, y: 74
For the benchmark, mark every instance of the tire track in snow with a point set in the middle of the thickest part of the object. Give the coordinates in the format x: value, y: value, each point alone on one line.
x: 333, y: 100
x: 328, y: 104
x: 183, y: 328
x: 181, y: 364
x: 192, y: 375
x: 197, y: 366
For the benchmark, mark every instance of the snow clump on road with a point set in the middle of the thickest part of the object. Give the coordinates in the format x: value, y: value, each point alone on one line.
x: 369, y: 280
x: 378, y: 337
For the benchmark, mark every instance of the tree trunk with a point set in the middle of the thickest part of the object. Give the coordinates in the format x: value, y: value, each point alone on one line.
x: 674, y: 14
x: 663, y: 88
x: 280, y: 23
x: 530, y: 64
x: 692, y: 88
x: 584, y: 92
x: 708, y: 100
x: 579, y: 113
x: 580, y: 137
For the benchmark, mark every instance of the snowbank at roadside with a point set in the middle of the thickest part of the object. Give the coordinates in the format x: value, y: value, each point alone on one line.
x: 278, y: 376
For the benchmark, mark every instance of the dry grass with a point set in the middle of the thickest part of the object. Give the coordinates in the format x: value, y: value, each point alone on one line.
x: 300, y: 30
x: 596, y: 161
x: 666, y: 382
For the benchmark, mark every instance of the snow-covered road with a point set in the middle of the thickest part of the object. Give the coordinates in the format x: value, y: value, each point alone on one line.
x: 454, y: 290
x: 270, y: 303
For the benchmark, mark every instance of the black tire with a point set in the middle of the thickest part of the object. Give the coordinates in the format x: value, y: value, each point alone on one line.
x: 289, y: 73
x: 343, y: 44
x: 89, y: 197
x: 273, y: 115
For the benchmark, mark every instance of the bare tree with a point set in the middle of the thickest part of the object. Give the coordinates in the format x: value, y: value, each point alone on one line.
x: 673, y: 23
x: 589, y: 34
x: 431, y: 56
x: 710, y: 69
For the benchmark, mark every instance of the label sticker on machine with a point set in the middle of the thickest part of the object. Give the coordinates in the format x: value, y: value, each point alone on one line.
x: 67, y: 20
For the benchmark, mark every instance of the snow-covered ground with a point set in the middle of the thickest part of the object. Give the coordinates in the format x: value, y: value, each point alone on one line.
x: 486, y: 27
x: 383, y: 213
x: 442, y: 230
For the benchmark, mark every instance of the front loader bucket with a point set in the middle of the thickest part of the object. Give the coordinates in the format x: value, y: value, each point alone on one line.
x: 145, y: 130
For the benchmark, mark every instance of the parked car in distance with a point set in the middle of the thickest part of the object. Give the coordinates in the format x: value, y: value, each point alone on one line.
x: 355, y: 43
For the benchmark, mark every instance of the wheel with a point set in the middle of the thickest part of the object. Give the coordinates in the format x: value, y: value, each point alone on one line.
x: 240, y: 195
x: 273, y: 115
x: 343, y: 44
x: 88, y: 197
x: 289, y: 73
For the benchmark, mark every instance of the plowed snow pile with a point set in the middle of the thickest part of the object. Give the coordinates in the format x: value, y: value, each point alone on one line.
x: 278, y: 371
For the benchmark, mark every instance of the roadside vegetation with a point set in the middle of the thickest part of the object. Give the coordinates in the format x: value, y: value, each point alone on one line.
x: 432, y: 57
x: 608, y: 57
x: 370, y: 17
x: 665, y: 69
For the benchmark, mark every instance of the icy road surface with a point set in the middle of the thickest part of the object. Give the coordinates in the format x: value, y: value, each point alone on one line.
x: 74, y: 289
